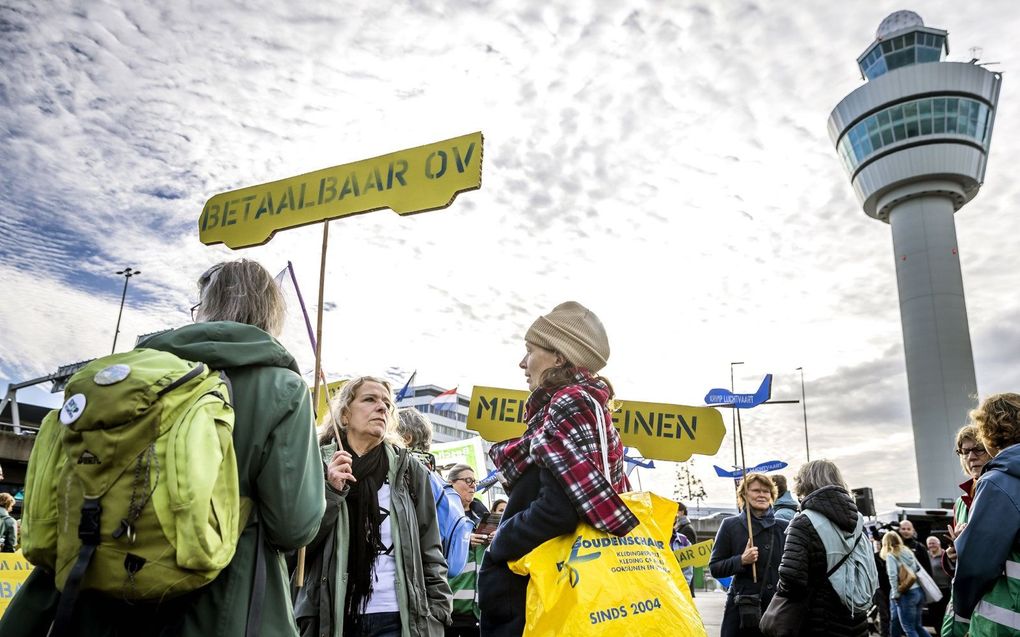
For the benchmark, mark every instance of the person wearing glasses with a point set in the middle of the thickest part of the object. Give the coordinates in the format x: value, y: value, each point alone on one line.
x: 465, y: 586
x: 376, y: 566
x: 567, y: 466
x: 238, y: 316
x: 986, y: 589
x: 973, y: 458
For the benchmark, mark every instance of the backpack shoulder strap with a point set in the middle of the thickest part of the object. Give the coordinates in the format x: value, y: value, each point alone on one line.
x: 845, y: 557
x: 253, y: 623
x: 828, y: 534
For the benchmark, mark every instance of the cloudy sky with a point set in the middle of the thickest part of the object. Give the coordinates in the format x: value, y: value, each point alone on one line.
x: 665, y: 163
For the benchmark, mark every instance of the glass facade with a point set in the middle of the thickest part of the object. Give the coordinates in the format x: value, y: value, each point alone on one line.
x: 905, y: 50
x: 928, y: 116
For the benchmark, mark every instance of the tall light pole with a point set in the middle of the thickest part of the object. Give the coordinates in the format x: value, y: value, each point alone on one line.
x: 803, y: 403
x: 127, y: 273
x: 733, y: 415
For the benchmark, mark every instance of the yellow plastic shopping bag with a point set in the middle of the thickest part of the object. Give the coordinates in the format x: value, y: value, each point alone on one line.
x: 593, y: 583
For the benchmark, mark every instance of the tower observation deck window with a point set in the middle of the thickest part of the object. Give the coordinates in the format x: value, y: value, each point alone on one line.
x: 918, y: 118
x: 904, y: 50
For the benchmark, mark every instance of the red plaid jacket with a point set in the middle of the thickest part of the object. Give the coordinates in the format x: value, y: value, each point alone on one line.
x: 562, y: 436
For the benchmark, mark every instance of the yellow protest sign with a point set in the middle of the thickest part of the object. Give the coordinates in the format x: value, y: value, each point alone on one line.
x: 14, y: 570
x: 407, y: 181
x: 696, y: 555
x: 660, y: 431
x: 331, y: 390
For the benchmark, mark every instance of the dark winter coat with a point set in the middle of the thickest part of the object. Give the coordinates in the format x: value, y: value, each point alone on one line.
x: 730, y: 542
x: 684, y: 527
x: 538, y: 510
x: 278, y: 466
x: 802, y: 573
x: 920, y: 551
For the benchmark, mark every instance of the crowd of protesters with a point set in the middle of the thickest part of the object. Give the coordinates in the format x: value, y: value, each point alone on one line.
x: 365, y: 508
x: 392, y: 547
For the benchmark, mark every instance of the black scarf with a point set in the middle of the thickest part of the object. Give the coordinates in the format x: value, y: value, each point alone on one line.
x: 365, y: 537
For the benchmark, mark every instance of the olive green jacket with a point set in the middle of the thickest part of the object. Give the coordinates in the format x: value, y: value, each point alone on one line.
x: 278, y: 467
x: 423, y: 594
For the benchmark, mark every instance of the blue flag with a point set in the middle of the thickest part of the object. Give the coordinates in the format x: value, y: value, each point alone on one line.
x: 405, y: 391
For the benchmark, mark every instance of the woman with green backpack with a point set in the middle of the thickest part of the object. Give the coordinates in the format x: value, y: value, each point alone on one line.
x: 277, y: 487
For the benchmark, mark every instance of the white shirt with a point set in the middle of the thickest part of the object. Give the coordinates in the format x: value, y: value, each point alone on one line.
x: 384, y: 587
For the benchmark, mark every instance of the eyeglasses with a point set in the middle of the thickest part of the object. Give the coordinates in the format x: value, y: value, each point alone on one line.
x: 468, y: 481
x: 966, y: 451
x: 194, y: 314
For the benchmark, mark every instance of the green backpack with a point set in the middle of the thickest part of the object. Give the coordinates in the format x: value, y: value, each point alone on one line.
x: 132, y: 485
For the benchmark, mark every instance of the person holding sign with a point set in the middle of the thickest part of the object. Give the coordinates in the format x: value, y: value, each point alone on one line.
x: 376, y: 567
x: 752, y: 562
x: 554, y: 471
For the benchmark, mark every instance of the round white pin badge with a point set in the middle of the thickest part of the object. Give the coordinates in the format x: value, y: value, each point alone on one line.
x: 72, y: 409
x: 112, y: 374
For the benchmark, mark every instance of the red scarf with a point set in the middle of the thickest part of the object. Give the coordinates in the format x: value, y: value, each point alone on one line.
x: 562, y: 436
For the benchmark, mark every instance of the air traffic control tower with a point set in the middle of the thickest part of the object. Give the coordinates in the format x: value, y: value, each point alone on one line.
x: 914, y: 140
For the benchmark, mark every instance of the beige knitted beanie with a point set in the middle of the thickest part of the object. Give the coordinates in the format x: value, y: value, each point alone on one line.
x: 574, y: 331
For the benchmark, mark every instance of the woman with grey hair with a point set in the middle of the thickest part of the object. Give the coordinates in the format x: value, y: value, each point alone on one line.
x: 414, y: 428
x: 455, y: 528
x: 240, y: 311
x: 828, y: 509
x: 376, y: 567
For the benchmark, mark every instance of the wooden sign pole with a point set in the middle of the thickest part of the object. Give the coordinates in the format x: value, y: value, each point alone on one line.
x: 747, y: 504
x: 299, y: 575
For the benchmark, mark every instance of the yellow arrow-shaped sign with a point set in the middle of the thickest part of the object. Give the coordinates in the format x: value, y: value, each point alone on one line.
x: 695, y: 555
x: 407, y: 181
x: 660, y: 431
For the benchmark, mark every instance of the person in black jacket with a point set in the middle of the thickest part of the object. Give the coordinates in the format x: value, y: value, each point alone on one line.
x: 557, y: 473
x: 803, y: 571
x: 733, y: 555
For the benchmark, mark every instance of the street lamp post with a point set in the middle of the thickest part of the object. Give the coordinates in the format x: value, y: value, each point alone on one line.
x: 127, y: 273
x: 803, y: 404
x: 733, y: 415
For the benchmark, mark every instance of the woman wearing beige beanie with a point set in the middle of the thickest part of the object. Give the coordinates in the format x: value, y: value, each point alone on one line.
x: 568, y: 465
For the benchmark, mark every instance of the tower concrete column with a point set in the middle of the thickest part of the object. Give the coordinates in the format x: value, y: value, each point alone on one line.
x: 936, y: 337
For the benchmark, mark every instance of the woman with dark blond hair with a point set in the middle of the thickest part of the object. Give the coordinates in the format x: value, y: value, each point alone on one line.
x: 986, y: 588
x: 376, y: 567
x: 754, y: 566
